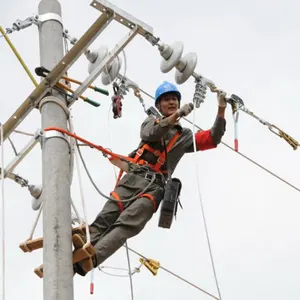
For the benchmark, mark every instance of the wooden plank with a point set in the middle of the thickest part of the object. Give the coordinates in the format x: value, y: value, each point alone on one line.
x: 80, y: 253
x: 31, y: 245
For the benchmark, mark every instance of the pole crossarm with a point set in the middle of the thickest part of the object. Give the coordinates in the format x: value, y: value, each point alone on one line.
x: 123, y: 17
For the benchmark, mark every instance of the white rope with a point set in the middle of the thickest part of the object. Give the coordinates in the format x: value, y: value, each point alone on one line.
x: 202, y: 206
x: 3, y: 213
x: 129, y: 270
x: 36, y: 221
x: 88, y: 241
x: 80, y: 184
x: 126, y: 245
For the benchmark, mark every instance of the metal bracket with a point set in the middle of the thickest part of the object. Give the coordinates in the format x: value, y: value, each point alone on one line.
x: 22, y: 24
x: 66, y: 35
x: 123, y: 17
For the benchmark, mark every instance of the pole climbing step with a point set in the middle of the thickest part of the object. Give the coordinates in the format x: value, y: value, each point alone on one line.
x: 81, y: 252
x: 31, y: 245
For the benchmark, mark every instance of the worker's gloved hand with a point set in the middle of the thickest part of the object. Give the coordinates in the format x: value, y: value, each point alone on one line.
x: 185, y: 110
x: 221, y: 99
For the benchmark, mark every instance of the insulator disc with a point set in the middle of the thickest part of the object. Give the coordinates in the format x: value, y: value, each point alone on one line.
x: 176, y: 49
x: 102, y: 52
x: 36, y: 203
x: 190, y: 60
x: 112, y: 71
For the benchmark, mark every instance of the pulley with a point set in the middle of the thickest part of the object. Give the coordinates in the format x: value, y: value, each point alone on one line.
x: 117, y: 106
x: 96, y: 57
x: 186, y: 67
x: 171, y: 55
x: 111, y: 71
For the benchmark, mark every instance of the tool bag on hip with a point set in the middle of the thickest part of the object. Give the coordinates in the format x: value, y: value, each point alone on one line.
x: 169, y: 204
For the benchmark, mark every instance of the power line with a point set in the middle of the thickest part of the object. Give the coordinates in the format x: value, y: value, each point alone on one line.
x: 176, y: 275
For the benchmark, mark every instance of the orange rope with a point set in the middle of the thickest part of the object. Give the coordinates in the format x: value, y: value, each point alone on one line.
x: 98, y: 147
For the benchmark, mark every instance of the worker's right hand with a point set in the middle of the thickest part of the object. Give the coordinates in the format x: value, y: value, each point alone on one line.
x: 185, y: 110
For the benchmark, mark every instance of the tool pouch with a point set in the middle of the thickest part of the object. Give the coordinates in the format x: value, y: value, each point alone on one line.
x: 168, y: 205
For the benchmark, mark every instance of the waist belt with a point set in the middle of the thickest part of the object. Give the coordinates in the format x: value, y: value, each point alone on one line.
x: 148, y: 175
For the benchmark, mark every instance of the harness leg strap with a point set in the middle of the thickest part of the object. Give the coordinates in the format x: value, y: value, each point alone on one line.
x: 150, y: 197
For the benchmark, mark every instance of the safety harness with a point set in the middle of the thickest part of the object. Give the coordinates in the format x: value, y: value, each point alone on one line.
x: 161, y: 159
x: 161, y: 155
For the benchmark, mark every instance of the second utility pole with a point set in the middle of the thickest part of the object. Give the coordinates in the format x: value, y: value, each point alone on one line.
x: 57, y: 247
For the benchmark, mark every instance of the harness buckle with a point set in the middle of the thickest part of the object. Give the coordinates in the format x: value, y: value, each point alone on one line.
x: 148, y: 176
x: 161, y: 160
x: 139, y: 152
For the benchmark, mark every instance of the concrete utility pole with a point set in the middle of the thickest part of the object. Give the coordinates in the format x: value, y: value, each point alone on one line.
x: 57, y: 248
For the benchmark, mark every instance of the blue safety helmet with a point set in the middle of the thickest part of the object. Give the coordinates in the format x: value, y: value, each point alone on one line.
x: 166, y: 87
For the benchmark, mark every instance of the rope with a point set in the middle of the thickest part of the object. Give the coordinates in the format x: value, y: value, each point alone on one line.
x: 115, y: 173
x: 202, y: 206
x: 18, y: 56
x: 129, y: 271
x: 177, y: 276
x: 3, y: 213
x: 36, y: 221
x: 80, y: 186
x: 239, y: 153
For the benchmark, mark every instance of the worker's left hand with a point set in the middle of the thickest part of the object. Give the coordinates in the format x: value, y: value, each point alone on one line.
x: 221, y: 99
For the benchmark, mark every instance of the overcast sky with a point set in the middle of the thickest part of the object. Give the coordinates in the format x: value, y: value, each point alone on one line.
x: 247, y: 48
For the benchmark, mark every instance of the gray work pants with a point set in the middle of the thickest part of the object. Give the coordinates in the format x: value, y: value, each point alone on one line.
x: 112, y: 227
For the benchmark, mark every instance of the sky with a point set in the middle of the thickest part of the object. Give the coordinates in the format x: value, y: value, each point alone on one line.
x: 247, y: 48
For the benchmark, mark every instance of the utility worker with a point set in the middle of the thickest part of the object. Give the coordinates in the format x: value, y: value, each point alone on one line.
x: 119, y: 220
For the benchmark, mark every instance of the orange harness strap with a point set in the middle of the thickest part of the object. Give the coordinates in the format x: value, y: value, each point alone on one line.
x: 114, y: 194
x: 150, y: 197
x: 161, y: 155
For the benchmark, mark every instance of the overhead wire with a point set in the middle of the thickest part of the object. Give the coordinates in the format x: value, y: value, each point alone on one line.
x: 202, y: 207
x: 176, y: 275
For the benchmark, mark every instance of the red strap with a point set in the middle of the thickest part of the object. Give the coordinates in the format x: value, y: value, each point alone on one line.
x: 152, y: 200
x: 204, y: 140
x: 117, y: 197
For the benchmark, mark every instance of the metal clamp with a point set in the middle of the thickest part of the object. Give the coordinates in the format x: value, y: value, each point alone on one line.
x: 55, y: 134
x: 49, y: 16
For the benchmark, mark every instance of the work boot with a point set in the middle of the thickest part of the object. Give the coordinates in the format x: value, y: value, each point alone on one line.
x: 82, y: 267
